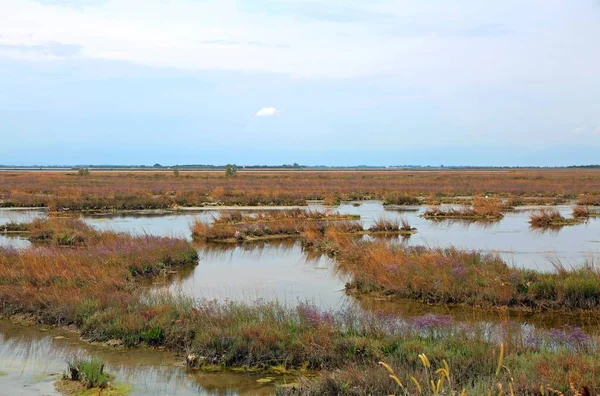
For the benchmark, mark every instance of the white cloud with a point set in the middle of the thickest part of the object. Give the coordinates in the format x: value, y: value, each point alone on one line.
x: 267, y: 112
x: 429, y: 43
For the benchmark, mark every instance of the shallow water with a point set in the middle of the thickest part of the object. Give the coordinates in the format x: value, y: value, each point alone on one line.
x: 279, y: 271
x: 33, y: 358
x: 18, y: 216
x: 511, y: 237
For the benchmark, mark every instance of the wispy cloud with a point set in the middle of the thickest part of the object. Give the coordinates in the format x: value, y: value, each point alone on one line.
x: 267, y: 112
x: 43, y: 50
x: 413, y: 41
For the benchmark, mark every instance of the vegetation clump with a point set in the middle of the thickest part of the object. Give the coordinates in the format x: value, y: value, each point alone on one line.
x: 230, y: 170
x: 234, y: 227
x: 13, y: 227
x: 553, y: 218
x: 78, y: 270
x: 589, y: 200
x: 454, y: 276
x: 483, y: 209
x: 401, y: 199
x: 89, y: 372
x: 583, y: 212
x: 392, y: 226
x: 238, y: 217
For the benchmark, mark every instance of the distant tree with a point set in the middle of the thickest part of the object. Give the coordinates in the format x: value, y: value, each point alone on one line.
x: 296, y: 165
x: 83, y: 171
x: 175, y: 172
x: 157, y: 166
x: 230, y: 170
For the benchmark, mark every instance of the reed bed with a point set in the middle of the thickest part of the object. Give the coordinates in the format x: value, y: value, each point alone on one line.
x: 482, y: 209
x: 129, y: 190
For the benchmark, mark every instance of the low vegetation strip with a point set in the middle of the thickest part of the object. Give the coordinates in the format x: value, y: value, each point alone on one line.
x: 78, y: 268
x: 482, y: 209
x: 101, y: 191
x: 453, y: 276
x: 305, y: 339
x: 239, y: 217
x: 12, y: 227
x: 235, y: 228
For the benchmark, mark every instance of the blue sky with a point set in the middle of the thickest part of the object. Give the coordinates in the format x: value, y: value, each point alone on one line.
x: 382, y: 82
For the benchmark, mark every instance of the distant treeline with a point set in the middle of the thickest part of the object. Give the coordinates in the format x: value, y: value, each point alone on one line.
x: 292, y: 166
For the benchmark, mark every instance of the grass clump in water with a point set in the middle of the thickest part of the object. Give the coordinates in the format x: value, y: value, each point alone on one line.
x: 483, y: 209
x: 90, y: 372
x: 401, y: 199
x: 553, y: 218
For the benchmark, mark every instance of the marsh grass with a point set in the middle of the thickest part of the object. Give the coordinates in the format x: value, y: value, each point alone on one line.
x: 400, y: 199
x: 589, y: 200
x: 78, y: 270
x: 236, y: 227
x: 454, y: 276
x: 93, y: 285
x: 394, y: 226
x: 482, y: 209
x: 13, y: 227
x: 90, y: 372
x: 553, y: 218
x: 238, y: 217
x: 403, y: 378
x: 583, y: 212
x: 108, y: 191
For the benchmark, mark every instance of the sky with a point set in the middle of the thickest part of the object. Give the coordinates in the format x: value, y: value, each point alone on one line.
x: 317, y: 82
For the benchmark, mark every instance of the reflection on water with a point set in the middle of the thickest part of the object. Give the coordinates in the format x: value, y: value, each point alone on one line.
x: 8, y: 215
x: 32, y: 360
x: 274, y: 270
x: 511, y: 237
x: 409, y: 308
x: 15, y: 241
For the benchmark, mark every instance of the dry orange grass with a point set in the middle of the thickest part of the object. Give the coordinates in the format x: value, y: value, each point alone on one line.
x: 483, y: 208
x: 146, y: 190
x: 452, y: 275
x: 52, y: 279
